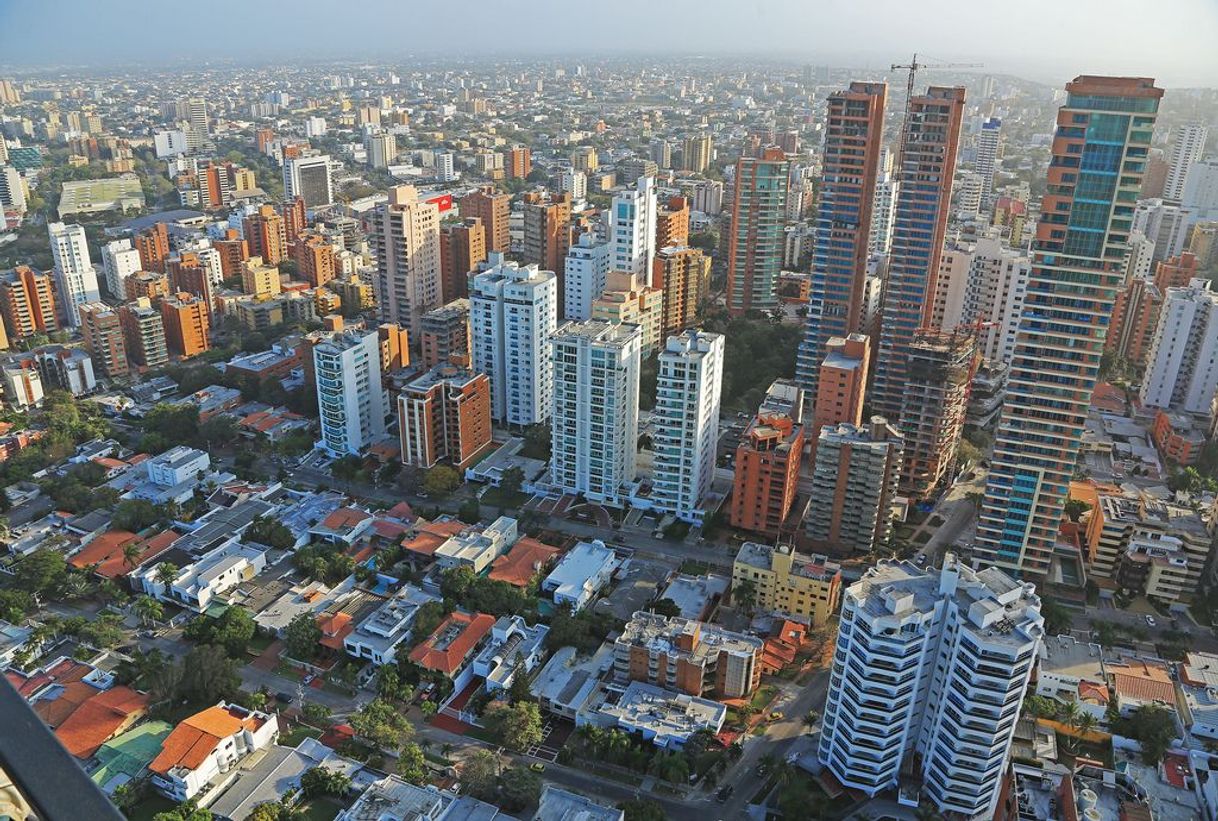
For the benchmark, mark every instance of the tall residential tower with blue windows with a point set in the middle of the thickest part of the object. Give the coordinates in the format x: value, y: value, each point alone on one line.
x: 930, y: 141
x: 1099, y: 157
x: 851, y: 163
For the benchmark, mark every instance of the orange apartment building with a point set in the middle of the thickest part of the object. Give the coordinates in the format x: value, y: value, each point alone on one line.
x: 233, y: 251
x: 1176, y: 272
x: 444, y: 334
x: 153, y: 245
x: 445, y: 414
x: 689, y: 656
x: 1176, y: 438
x: 672, y: 223
x: 462, y: 248
x: 103, y: 336
x: 395, y: 346
x: 187, y: 322
x: 1135, y: 315
x: 683, y: 276
x: 314, y: 257
x: 547, y: 231
x: 266, y: 235
x: 493, y: 208
x: 766, y: 473
x: 147, y: 284
x: 517, y: 162
x: 27, y: 302
x: 842, y: 382
x: 295, y: 217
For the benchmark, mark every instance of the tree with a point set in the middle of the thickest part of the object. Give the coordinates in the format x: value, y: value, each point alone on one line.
x: 536, y: 442
x: 745, y: 594
x: 186, y: 811
x: 301, y: 637
x: 1057, y: 617
x: 441, y: 480
x: 316, y: 714
x: 270, y: 532
x: 427, y: 620
x: 1153, y: 726
x: 380, y: 723
x: 148, y: 609
x: 1075, y: 508
x: 346, y: 469
x: 132, y: 553
x: 516, y: 727
x: 512, y: 480
x: 40, y: 572
x: 412, y: 766
x: 480, y: 773
x: 666, y: 607
x: 266, y: 811
x: 705, y: 240
x: 470, y: 511
x: 208, y: 675
x: 521, y: 788
x: 318, y: 781
x: 166, y: 573
x: 234, y: 630
x: 642, y: 809
x: 218, y: 431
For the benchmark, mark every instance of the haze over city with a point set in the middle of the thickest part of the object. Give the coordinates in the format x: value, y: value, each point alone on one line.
x: 626, y: 412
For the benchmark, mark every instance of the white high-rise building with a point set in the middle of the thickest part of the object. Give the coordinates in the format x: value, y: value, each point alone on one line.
x: 119, y: 261
x: 986, y: 162
x: 196, y: 114
x: 351, y: 403
x: 630, y: 225
x: 1182, y: 368
x: 74, y: 272
x: 12, y: 191
x: 382, y: 149
x: 405, y: 240
x: 169, y: 143
x: 513, y: 310
x: 1164, y: 223
x: 687, y: 423
x: 1188, y: 148
x: 574, y: 182
x: 585, y: 275
x: 309, y: 177
x: 969, y: 188
x: 930, y: 669
x: 1141, y: 256
x: 883, y: 214
x: 983, y: 283
x: 1201, y: 191
x: 595, y: 425
x: 315, y: 127
x: 445, y: 171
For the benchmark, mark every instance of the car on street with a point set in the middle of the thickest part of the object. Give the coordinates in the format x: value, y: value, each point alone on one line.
x: 724, y: 794
x: 537, y: 767
x: 283, y: 698
x: 1150, y: 621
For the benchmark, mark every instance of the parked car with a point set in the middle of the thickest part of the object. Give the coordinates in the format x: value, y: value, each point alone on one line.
x: 537, y: 767
x: 1150, y: 621
x: 724, y: 794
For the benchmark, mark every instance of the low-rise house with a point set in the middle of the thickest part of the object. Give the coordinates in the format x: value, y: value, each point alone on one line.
x: 581, y: 574
x: 343, y: 526
x: 13, y: 639
x: 212, y: 575
x: 1070, y: 671
x: 394, y: 799
x: 514, y: 648
x: 206, y: 746
x: 212, y: 400
x: 560, y: 805
x: 99, y: 718
x: 524, y: 562
x: 273, y: 423
x: 695, y: 596
x: 665, y: 718
x: 1198, y: 677
x: 568, y: 680
x: 451, y: 647
x: 476, y: 549
x: 1139, y: 682
x: 378, y: 636
x: 690, y: 656
x: 101, y: 549
x: 424, y: 538
x: 312, y: 597
x: 275, y: 774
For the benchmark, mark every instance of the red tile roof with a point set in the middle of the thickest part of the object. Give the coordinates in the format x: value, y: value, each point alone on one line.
x: 105, y: 547
x: 335, y: 628
x: 345, y: 518
x: 115, y: 565
x: 446, y: 650
x: 194, y: 739
x: 1142, y: 681
x: 99, y: 719
x: 520, y: 564
x: 426, y: 537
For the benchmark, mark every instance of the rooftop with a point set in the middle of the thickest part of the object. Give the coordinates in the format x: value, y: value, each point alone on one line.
x: 447, y: 649
x: 195, y: 737
x: 526, y: 559
x: 665, y: 635
x: 666, y: 715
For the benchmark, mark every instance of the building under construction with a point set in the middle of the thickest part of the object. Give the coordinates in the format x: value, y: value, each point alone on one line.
x: 940, y: 373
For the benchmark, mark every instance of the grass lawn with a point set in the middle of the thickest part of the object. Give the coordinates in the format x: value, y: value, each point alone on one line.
x: 923, y: 537
x: 298, y: 734
x: 498, y: 497
x: 150, y: 806
x: 320, y: 810
x: 764, y: 695
x: 693, y: 567
x: 259, y: 643
x: 482, y: 734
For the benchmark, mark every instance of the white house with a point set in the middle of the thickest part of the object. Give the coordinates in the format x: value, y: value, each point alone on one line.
x: 199, y: 583
x: 207, y: 746
x: 177, y: 465
x: 1070, y: 671
x: 378, y: 636
x: 477, y: 549
x: 581, y: 574
x: 513, y: 645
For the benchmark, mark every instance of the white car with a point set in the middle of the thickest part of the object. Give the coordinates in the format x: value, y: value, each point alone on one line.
x: 1150, y: 621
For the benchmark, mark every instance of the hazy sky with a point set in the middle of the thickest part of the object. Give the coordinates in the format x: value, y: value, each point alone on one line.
x: 1175, y: 41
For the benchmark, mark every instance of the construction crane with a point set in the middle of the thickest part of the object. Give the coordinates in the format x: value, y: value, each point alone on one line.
x: 913, y: 66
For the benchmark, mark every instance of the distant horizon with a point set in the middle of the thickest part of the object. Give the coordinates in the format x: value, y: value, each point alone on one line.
x: 1040, y: 41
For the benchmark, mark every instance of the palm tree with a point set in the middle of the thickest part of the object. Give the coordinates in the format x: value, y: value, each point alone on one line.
x: 166, y: 572
x: 131, y: 554
x: 148, y: 609
x: 1082, y: 727
x: 1068, y: 714
x: 811, y: 718
x: 745, y: 595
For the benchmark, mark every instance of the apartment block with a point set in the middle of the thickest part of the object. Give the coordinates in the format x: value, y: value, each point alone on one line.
x: 187, y: 321
x: 350, y: 399
x: 405, y: 240
x: 628, y: 299
x: 784, y: 582
x: 854, y: 486
x: 688, y: 656
x: 445, y: 414
x: 103, y: 338
x: 682, y: 275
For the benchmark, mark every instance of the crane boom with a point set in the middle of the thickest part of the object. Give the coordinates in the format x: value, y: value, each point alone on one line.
x: 913, y: 67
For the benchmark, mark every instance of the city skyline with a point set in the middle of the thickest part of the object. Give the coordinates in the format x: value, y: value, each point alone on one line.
x: 1177, y: 55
